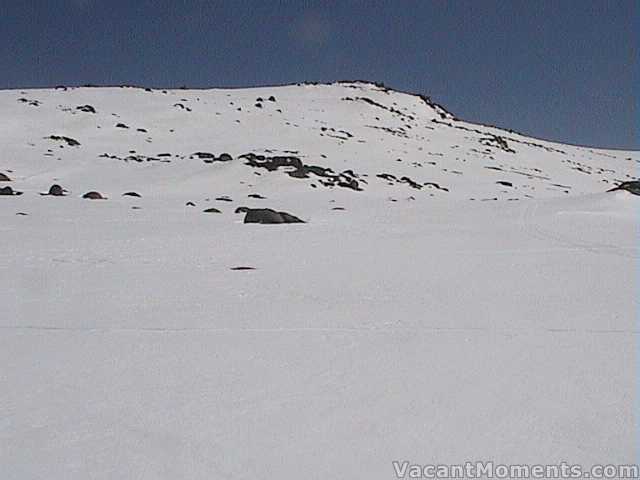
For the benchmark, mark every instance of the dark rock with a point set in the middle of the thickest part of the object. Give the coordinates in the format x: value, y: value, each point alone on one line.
x: 497, y: 141
x: 4, y: 178
x: 8, y: 191
x: 242, y: 210
x: 411, y: 183
x: 121, y: 125
x: 69, y: 141
x: 300, y: 170
x: 210, y: 157
x: 387, y: 176
x: 204, y: 155
x: 55, y: 190
x: 435, y: 185
x: 131, y: 194
x: 349, y: 183
x: 632, y: 186
x: 241, y: 268
x: 224, y: 198
x: 86, y: 109
x: 269, y: 216
x: 272, y: 98
x: 211, y: 210
x: 256, y: 195
x: 190, y: 204
x: 33, y: 103
x: 93, y: 196
x: 272, y: 163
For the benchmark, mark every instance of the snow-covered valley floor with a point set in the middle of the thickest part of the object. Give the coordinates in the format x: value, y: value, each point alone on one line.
x: 408, y: 326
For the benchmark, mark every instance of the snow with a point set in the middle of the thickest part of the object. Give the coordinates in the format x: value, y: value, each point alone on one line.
x: 438, y: 329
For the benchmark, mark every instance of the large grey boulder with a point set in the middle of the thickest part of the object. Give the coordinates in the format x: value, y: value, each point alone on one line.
x: 268, y: 216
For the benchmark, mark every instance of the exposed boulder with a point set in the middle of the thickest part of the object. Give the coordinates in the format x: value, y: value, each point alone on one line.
x: 86, y: 109
x: 4, y: 178
x: 8, y: 191
x: 55, y: 190
x: 269, y: 216
x: 632, y: 186
x: 131, y: 194
x: 72, y: 142
x: 93, y: 196
x: 211, y: 210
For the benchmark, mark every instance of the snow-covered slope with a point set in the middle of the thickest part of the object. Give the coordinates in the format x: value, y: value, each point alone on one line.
x: 458, y: 293
x: 362, y: 128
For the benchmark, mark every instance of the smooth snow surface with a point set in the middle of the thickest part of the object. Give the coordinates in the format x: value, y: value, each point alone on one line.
x: 469, y: 321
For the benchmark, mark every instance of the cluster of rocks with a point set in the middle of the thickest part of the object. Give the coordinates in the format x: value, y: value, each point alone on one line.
x: 57, y: 190
x: 33, y: 103
x: 136, y: 158
x: 252, y: 215
x: 333, y: 133
x: 260, y: 101
x: 182, y: 106
x: 207, y: 157
x: 392, y: 179
x: 373, y: 103
x: 496, y: 141
x: 297, y: 169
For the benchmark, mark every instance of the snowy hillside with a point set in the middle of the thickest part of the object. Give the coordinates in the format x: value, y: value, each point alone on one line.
x: 457, y: 292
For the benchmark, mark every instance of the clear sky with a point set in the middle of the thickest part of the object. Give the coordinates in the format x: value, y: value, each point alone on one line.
x: 565, y: 70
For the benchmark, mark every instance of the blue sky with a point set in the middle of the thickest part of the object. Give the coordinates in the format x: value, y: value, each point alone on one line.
x: 562, y: 70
